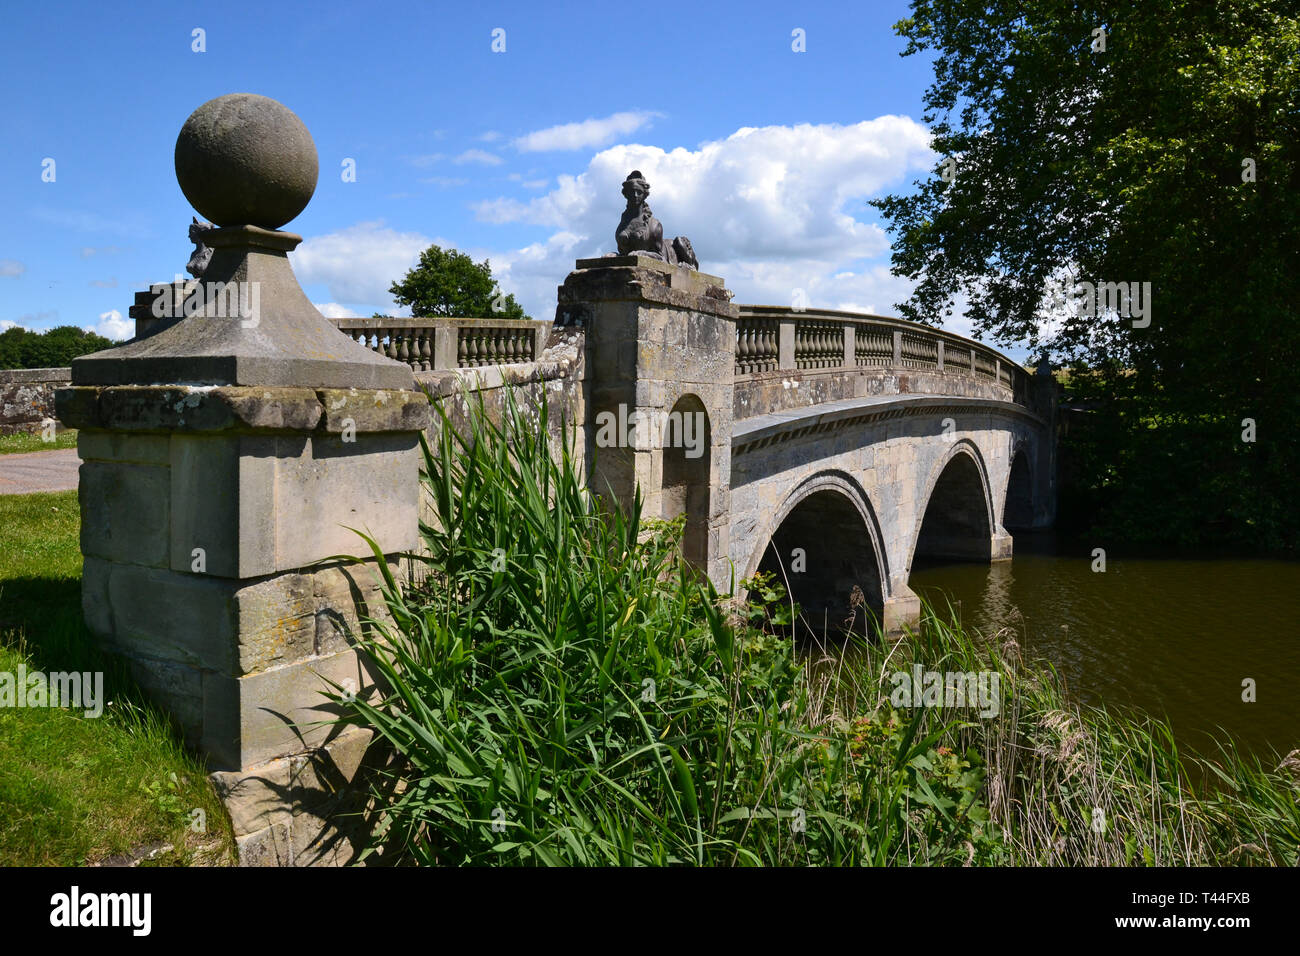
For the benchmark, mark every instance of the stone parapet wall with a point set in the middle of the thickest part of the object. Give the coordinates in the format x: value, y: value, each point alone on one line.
x: 27, y: 397
x: 765, y: 393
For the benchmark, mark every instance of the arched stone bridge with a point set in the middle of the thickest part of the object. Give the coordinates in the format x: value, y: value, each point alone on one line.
x: 841, y: 447
x: 832, y: 449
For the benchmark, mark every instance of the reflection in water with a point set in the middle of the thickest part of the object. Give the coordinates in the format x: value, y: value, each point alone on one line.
x: 1174, y: 636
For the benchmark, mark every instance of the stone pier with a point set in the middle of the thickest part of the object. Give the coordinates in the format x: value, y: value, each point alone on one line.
x: 227, y: 459
x: 660, y: 341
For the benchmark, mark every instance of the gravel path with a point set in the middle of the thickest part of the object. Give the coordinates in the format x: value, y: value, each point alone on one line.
x: 39, y: 471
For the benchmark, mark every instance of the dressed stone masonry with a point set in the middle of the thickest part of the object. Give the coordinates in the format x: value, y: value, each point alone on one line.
x: 659, y: 342
x: 226, y: 456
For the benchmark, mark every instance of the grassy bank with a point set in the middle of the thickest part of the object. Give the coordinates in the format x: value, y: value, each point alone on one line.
x: 564, y: 691
x: 22, y: 443
x: 74, y: 789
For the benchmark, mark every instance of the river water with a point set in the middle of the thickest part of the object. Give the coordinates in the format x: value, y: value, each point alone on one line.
x: 1175, y: 636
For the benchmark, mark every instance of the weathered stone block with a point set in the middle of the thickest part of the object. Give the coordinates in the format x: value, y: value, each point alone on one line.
x: 256, y: 798
x: 125, y: 509
x: 373, y: 410
x: 95, y: 603
x: 258, y: 717
x: 183, y: 619
x: 268, y: 847
x: 123, y: 446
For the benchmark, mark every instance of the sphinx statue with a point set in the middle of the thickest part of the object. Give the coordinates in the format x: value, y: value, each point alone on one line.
x: 640, y: 232
x: 202, y: 254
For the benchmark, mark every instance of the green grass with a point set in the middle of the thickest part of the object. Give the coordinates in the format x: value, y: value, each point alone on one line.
x: 73, y: 789
x: 521, y: 732
x: 23, y: 442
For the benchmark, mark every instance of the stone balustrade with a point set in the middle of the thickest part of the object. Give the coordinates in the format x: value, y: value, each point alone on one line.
x: 777, y: 339
x: 440, y: 343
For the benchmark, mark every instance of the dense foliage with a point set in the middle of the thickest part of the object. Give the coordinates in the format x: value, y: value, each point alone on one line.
x: 55, y: 348
x: 450, y: 283
x: 1121, y: 141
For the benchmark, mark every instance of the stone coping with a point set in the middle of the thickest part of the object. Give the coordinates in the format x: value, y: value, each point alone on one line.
x: 640, y: 279
x: 646, y: 262
x: 23, y: 376
x: 764, y: 429
x: 561, y: 360
x: 144, y: 408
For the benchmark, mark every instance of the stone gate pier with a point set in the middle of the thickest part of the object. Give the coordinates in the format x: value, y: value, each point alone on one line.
x: 227, y: 457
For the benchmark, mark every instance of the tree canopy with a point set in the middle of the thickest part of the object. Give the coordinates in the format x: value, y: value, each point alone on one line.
x: 55, y: 348
x: 446, y: 282
x: 1123, y: 142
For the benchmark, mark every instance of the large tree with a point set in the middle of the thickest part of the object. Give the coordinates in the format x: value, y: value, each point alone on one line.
x: 449, y: 283
x: 1128, y: 142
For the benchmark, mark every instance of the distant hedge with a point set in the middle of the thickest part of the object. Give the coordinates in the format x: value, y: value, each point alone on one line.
x: 55, y: 348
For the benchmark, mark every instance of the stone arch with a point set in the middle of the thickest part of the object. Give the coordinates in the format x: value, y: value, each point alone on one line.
x: 1018, y: 504
x: 830, y: 518
x: 957, y: 522
x: 686, y: 438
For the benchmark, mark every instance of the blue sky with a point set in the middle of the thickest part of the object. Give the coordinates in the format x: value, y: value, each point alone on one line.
x: 765, y: 157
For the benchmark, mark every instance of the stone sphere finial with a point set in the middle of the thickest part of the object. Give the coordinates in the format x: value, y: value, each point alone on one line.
x: 246, y: 160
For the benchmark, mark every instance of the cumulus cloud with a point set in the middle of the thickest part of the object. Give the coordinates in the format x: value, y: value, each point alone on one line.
x: 332, y: 310
x: 587, y: 134
x: 771, y: 209
x: 111, y: 325
x: 6, y: 324
x: 359, y: 263
x: 11, y: 268
x: 480, y: 156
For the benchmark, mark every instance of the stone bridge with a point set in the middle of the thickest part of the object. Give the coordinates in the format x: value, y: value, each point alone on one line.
x: 841, y: 447
x: 227, y: 454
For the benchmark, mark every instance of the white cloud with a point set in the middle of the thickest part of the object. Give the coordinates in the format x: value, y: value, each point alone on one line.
x: 332, y: 310
x: 588, y: 133
x: 11, y: 267
x: 770, y: 210
x: 446, y: 182
x: 491, y: 136
x: 359, y: 263
x: 111, y: 325
x: 104, y: 283
x: 478, y: 156
x: 426, y: 160
x: 6, y: 324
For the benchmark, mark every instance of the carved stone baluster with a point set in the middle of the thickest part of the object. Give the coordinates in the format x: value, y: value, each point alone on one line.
x: 462, y: 348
